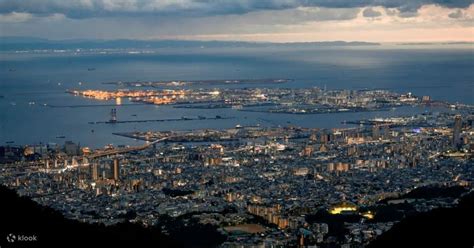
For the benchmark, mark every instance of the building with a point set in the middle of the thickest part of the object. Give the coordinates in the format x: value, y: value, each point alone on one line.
x: 94, y: 171
x: 376, y: 132
x: 307, y: 151
x: 325, y: 138
x: 457, y: 132
x: 71, y: 148
x: 338, y: 167
x: 116, y: 170
x: 426, y: 99
x: 113, y: 115
x: 300, y: 171
x: 470, y: 121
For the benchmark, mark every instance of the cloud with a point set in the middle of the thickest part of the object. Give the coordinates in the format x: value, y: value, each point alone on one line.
x: 104, y: 8
x: 291, y: 16
x: 408, y: 14
x: 14, y: 17
x: 369, y: 12
x: 430, y: 22
x: 456, y: 15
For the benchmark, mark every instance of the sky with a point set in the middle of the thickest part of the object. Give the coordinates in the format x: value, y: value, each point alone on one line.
x: 243, y: 20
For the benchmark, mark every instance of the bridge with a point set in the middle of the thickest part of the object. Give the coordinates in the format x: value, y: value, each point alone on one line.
x: 124, y: 150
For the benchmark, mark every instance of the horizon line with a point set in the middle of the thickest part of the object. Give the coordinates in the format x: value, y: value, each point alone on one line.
x: 237, y: 41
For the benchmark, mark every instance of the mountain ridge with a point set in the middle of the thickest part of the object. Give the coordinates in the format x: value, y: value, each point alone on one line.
x: 31, y: 43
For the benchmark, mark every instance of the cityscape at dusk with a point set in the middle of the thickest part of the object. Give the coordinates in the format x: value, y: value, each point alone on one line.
x: 239, y: 123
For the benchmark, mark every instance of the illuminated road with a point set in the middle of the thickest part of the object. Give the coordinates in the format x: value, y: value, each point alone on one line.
x: 124, y: 150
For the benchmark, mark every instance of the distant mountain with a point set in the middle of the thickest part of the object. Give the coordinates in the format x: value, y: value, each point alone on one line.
x: 436, y: 43
x: 31, y: 43
x: 21, y: 39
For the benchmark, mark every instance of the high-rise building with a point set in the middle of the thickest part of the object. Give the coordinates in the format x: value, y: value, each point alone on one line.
x: 386, y: 131
x: 71, y: 148
x: 116, y: 169
x: 457, y: 131
x: 113, y: 115
x: 376, y: 132
x: 325, y: 138
x: 94, y: 171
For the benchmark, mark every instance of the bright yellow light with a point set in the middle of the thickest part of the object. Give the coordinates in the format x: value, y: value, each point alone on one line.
x: 369, y: 215
x: 338, y: 210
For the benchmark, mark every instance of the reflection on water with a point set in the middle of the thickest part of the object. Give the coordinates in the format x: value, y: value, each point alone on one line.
x: 43, y: 80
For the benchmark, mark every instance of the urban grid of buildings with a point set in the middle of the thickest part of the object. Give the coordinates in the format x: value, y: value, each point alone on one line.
x: 259, y: 185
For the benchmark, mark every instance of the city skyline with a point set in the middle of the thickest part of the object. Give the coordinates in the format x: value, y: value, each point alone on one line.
x: 245, y: 123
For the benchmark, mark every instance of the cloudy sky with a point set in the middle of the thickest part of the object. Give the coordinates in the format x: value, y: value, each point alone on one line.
x: 250, y: 20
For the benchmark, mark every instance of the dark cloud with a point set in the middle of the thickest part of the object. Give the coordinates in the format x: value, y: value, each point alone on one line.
x: 456, y: 15
x: 295, y: 16
x: 408, y: 14
x: 104, y: 8
x: 369, y: 12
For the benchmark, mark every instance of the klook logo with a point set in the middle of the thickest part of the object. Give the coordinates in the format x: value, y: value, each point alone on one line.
x: 11, y: 238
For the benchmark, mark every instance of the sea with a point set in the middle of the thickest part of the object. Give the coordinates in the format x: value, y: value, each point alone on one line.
x: 35, y: 108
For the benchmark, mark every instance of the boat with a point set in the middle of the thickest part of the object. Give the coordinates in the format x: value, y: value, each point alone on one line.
x: 60, y: 137
x: 91, y: 69
x: 10, y: 142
